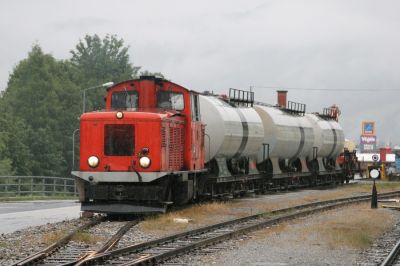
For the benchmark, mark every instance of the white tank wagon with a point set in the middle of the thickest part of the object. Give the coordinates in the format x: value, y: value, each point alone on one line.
x: 328, y: 140
x: 288, y: 139
x: 231, y: 133
x: 252, y: 146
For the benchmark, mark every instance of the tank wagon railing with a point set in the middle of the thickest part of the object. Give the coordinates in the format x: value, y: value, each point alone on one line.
x: 241, y: 97
x: 13, y: 186
x: 328, y: 114
x: 296, y: 108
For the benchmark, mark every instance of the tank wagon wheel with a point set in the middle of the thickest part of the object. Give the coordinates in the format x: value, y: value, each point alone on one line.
x: 350, y: 176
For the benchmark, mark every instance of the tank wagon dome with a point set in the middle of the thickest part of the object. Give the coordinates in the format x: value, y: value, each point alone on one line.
x: 329, y: 137
x: 288, y: 136
x: 230, y: 131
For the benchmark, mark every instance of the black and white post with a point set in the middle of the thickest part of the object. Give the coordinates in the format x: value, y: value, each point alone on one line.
x: 374, y: 173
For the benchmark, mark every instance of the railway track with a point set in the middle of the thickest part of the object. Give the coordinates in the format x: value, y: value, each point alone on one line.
x: 393, y: 257
x: 67, y: 252
x: 159, y: 250
x: 385, y: 251
x: 36, y: 257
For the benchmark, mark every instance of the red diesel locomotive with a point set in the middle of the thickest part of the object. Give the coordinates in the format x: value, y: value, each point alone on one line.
x: 149, y: 137
x: 158, y: 143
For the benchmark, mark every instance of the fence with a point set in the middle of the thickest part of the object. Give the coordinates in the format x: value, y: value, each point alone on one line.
x: 11, y: 186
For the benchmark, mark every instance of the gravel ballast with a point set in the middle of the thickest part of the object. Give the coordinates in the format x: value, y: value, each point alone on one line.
x: 299, y: 242
x: 275, y: 246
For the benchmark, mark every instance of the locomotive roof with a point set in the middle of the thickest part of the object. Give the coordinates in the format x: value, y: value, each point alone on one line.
x: 156, y: 79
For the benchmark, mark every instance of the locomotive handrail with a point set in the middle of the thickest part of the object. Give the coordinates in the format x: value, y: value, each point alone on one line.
x: 13, y: 186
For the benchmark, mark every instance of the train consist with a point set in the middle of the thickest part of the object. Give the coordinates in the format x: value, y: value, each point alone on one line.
x: 158, y: 143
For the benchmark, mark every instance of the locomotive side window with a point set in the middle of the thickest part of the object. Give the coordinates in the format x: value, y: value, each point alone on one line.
x: 119, y: 140
x: 170, y: 100
x: 124, y: 100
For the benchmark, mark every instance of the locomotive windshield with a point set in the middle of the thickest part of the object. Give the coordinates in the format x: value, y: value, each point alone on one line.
x: 124, y: 100
x: 119, y: 140
x: 170, y: 100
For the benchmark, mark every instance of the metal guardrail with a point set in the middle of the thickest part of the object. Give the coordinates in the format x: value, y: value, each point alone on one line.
x: 11, y: 186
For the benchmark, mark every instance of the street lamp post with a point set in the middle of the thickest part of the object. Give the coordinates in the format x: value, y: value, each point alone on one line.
x: 105, y: 85
x: 73, y: 148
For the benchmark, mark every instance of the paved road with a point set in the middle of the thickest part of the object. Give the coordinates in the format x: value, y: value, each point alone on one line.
x: 18, y: 215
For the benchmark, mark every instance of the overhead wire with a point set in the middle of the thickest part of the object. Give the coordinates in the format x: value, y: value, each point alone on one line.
x: 320, y: 89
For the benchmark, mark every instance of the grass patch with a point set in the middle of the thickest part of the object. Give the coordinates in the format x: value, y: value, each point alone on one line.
x: 3, y: 244
x: 210, y: 213
x: 385, y: 186
x: 83, y: 237
x: 349, y: 236
x: 356, y: 227
x: 163, y: 222
x: 348, y: 191
x: 382, y: 186
x: 86, y: 238
x: 53, y: 237
x: 315, y: 196
x: 198, y: 214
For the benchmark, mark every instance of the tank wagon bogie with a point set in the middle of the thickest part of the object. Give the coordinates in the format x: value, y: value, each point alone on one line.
x: 157, y: 144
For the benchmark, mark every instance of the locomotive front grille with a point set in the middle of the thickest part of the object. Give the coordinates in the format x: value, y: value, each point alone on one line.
x: 163, y: 137
x: 175, y: 148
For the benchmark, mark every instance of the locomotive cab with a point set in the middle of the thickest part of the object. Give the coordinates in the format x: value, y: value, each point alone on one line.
x: 139, y: 154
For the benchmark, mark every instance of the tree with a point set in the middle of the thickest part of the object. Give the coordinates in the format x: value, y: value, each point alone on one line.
x: 15, y: 156
x: 42, y: 103
x: 96, y: 61
x: 5, y: 162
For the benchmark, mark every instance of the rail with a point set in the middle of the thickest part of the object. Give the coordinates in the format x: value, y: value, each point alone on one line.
x: 161, y: 249
x: 13, y: 186
x: 393, y: 256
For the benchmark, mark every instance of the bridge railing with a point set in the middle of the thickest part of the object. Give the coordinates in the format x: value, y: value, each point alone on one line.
x: 11, y: 186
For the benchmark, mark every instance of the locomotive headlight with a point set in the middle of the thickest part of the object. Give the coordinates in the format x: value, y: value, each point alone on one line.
x: 93, y: 161
x: 119, y: 115
x: 144, y: 162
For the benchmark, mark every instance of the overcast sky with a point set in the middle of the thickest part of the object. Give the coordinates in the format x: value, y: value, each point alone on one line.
x: 326, y: 46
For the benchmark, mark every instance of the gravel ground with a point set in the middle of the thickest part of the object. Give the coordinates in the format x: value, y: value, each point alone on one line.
x: 136, y: 235
x: 14, y: 248
x: 299, y: 242
x: 380, y: 249
x: 272, y: 249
